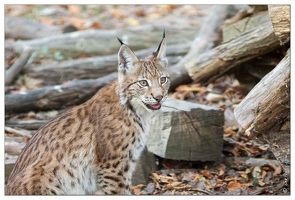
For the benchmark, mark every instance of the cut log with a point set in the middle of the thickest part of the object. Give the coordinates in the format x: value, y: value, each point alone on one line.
x: 58, y: 96
x: 95, y: 67
x: 187, y: 131
x: 210, y: 65
x: 19, y: 28
x: 280, y: 18
x: 267, y: 105
x: 146, y: 164
x: 104, y: 42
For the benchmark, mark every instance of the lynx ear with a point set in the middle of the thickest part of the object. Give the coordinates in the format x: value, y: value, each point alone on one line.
x: 126, y: 58
x: 160, y: 52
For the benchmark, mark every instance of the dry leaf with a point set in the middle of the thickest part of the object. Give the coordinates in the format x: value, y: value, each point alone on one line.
x: 206, y: 173
x: 96, y: 25
x: 278, y: 170
x: 172, y: 185
x: 166, y: 179
x: 132, y: 21
x: 47, y: 21
x: 77, y: 22
x: 117, y: 14
x: 74, y: 9
x: 233, y: 185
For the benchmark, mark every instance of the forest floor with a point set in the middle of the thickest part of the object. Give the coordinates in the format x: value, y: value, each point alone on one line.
x: 246, y: 167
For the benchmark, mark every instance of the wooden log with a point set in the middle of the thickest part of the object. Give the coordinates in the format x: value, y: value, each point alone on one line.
x: 9, y: 164
x: 204, y: 41
x: 18, y: 132
x: 94, y: 67
x: 19, y: 28
x: 58, y: 96
x: 280, y: 18
x: 243, y: 25
x: 208, y: 66
x: 17, y: 66
x: 26, y: 124
x: 268, y: 102
x: 14, y: 148
x: 104, y: 42
x: 144, y: 166
x: 187, y: 131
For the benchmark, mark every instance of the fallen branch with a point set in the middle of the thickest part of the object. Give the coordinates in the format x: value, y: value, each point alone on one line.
x: 18, y: 28
x: 104, y: 42
x: 94, y: 67
x: 18, y: 132
x: 27, y: 125
x: 17, y: 66
x: 58, y: 96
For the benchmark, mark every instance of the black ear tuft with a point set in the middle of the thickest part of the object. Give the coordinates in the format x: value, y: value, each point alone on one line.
x: 120, y: 41
x: 160, y: 52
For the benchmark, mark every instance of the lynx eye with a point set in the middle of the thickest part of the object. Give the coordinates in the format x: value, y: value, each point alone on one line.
x: 143, y: 83
x: 163, y: 80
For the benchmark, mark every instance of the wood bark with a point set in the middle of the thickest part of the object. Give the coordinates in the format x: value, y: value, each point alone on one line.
x: 56, y: 96
x: 267, y: 105
x: 104, y: 42
x: 243, y: 25
x: 280, y: 18
x: 95, y: 67
x: 187, y: 131
x: 214, y: 63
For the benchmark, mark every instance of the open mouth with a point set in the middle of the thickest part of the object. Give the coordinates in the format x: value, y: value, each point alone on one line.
x: 154, y: 106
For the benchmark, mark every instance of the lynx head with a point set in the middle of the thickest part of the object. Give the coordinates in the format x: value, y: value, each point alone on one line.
x: 143, y: 83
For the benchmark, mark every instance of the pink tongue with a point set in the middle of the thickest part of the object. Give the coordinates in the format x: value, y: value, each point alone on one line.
x: 156, y: 106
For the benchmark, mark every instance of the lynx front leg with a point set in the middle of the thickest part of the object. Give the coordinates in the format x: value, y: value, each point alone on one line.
x: 113, y: 182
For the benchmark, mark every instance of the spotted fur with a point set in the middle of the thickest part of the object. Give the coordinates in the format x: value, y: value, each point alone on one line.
x: 95, y: 146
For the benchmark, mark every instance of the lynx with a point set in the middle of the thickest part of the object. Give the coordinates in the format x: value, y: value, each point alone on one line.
x: 95, y: 146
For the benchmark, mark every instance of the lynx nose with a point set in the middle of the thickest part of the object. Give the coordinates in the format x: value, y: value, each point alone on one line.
x: 158, y: 98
